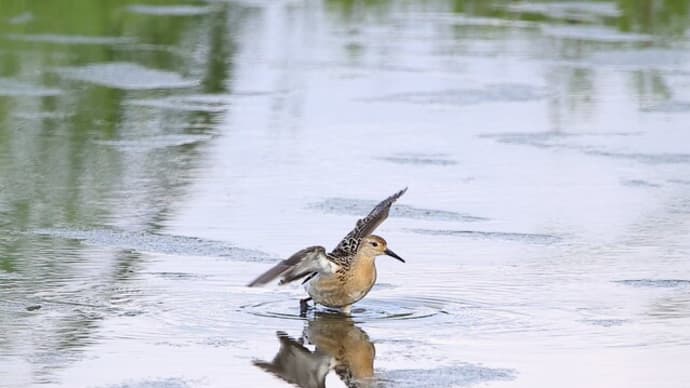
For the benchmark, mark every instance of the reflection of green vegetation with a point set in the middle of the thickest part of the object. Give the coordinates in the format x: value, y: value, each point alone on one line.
x: 76, y: 17
x: 53, y: 171
x: 656, y: 17
x: 7, y: 264
x: 651, y: 86
x: 93, y: 19
x: 649, y: 16
x: 58, y: 151
x: 357, y: 10
x: 220, y: 50
x: 481, y: 8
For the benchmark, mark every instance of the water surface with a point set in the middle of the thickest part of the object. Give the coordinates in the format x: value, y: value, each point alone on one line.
x: 156, y: 156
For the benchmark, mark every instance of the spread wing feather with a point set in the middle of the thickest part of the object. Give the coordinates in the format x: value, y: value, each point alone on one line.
x: 307, y: 261
x: 366, y: 226
x: 298, y: 365
x: 313, y: 260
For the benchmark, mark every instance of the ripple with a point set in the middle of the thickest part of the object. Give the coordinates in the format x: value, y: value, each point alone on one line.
x: 441, y: 311
x: 221, y: 342
x: 124, y: 75
x: 370, y: 309
x: 176, y: 275
x: 538, y: 138
x: 358, y: 207
x: 149, y: 242
x: 10, y: 276
x: 544, y: 140
x: 45, y: 115
x: 461, y: 20
x: 594, y: 34
x: 491, y: 93
x: 673, y: 106
x: 660, y: 158
x: 655, y: 283
x: 22, y: 18
x: 148, y: 143
x: 8, y: 306
x: 568, y: 10
x: 193, y: 103
x: 171, y: 382
x: 462, y: 374
x: 419, y: 159
x: 641, y: 59
x: 535, y: 238
x: 70, y: 39
x: 680, y: 181
x: 14, y: 88
x: 606, y: 322
x: 639, y: 183
x: 649, y: 158
x: 169, y: 10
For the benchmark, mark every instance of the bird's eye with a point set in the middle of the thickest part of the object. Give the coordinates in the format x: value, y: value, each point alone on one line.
x: 375, y: 244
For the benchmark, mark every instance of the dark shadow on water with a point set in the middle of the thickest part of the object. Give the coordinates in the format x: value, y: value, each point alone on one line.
x: 457, y: 97
x: 558, y: 141
x: 419, y: 159
x: 357, y: 207
x: 655, y: 283
x: 534, y: 238
x: 154, y: 242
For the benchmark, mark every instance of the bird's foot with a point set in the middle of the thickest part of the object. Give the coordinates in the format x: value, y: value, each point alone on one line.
x: 303, y: 307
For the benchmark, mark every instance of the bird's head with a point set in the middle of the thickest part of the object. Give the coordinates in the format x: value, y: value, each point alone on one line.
x: 376, y: 246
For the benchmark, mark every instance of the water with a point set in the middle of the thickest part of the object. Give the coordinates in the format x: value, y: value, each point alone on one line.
x: 157, y: 156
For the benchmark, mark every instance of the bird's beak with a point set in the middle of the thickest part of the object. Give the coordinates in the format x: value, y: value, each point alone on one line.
x: 392, y: 254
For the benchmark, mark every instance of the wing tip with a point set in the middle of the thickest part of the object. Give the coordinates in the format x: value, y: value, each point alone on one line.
x: 397, y: 195
x: 255, y: 283
x: 268, y: 276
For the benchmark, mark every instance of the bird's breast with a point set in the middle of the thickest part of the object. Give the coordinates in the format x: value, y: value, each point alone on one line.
x: 343, y: 288
x: 362, y: 279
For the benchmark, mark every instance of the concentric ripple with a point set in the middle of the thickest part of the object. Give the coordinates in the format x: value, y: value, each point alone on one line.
x: 369, y: 310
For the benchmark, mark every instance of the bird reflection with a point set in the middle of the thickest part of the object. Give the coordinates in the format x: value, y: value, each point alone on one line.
x: 338, y: 345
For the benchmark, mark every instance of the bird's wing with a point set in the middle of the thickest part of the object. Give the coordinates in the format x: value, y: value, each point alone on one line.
x: 302, y: 263
x: 298, y: 365
x: 366, y: 226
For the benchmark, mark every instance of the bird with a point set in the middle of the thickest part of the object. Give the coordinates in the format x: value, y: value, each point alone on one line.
x: 352, y: 350
x: 339, y: 345
x: 298, y: 365
x: 344, y: 276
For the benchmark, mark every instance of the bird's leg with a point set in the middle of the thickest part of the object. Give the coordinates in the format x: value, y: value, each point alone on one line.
x: 303, y: 306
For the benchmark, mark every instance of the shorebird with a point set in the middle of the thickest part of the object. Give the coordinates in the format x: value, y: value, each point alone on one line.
x: 298, y: 365
x: 339, y: 345
x: 345, y: 275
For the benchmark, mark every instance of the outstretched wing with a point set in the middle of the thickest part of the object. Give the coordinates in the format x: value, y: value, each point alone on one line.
x: 302, y: 263
x: 366, y: 226
x: 298, y: 365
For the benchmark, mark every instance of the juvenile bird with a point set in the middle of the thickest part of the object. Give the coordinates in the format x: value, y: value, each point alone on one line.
x: 345, y: 275
x: 340, y: 345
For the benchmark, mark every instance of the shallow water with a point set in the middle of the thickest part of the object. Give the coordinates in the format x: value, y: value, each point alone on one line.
x: 155, y: 157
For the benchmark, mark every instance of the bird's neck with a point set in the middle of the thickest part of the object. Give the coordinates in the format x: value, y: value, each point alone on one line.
x: 363, y: 267
x: 364, y: 259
